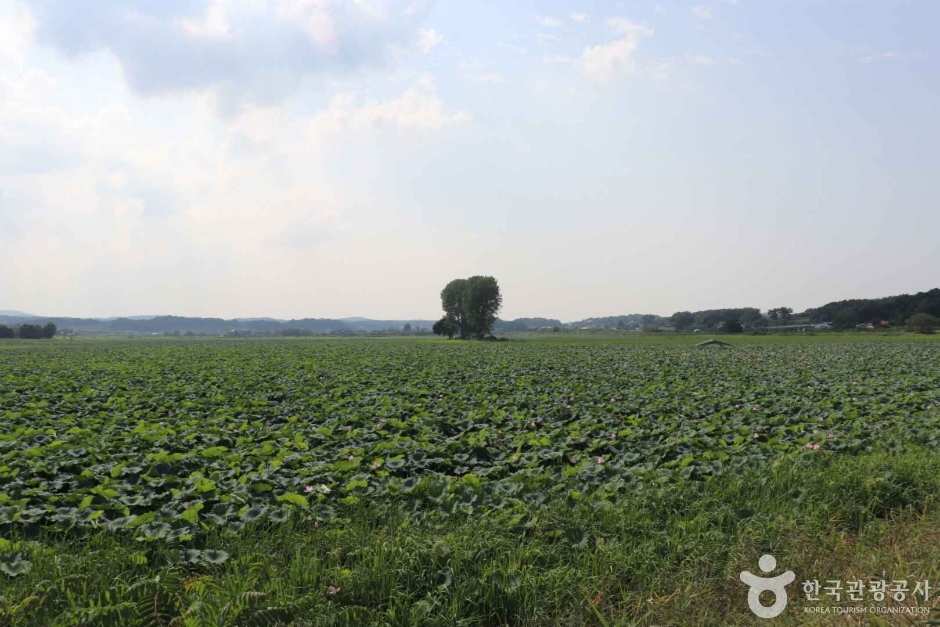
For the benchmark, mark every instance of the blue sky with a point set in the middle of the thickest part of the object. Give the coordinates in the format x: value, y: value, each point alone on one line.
x: 326, y: 158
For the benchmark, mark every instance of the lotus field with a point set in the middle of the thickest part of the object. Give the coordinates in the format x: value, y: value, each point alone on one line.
x: 178, y: 449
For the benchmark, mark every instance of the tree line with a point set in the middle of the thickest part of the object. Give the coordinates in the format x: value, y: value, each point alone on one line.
x: 898, y: 310
x: 28, y: 331
x: 729, y: 319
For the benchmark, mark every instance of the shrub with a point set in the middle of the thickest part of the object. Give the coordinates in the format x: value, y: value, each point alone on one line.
x: 923, y: 323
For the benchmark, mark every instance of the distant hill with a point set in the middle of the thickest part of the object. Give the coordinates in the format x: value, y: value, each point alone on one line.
x: 148, y: 325
x: 18, y: 314
x: 846, y: 314
x: 612, y: 322
x: 367, y: 324
x: 525, y: 324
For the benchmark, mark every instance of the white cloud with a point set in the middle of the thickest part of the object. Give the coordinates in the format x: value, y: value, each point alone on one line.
x: 414, y: 110
x: 429, y: 39
x: 156, y: 188
x: 550, y: 22
x: 624, y: 26
x: 884, y: 56
x: 606, y: 61
x: 489, y: 77
x: 16, y: 32
x: 581, y: 18
x: 415, y: 8
x: 256, y: 51
x: 322, y: 29
x: 212, y: 25
x: 702, y: 12
x: 701, y: 60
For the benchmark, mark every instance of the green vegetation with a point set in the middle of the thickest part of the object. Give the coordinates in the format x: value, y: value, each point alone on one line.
x: 407, y: 482
x: 923, y: 323
x: 29, y: 331
x: 895, y: 309
x: 470, y: 307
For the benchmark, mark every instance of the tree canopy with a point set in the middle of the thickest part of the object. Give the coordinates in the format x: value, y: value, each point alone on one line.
x: 783, y: 314
x: 923, y: 323
x: 470, y: 307
x: 714, y: 318
x: 32, y: 331
x: 445, y: 326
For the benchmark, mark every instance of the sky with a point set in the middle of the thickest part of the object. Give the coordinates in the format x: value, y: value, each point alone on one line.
x: 332, y: 158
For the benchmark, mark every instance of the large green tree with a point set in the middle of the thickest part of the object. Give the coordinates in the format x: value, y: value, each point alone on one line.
x: 452, y: 301
x: 483, y: 302
x: 472, y: 305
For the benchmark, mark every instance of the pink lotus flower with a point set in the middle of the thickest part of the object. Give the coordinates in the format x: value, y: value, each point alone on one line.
x: 600, y: 459
x: 815, y: 431
x: 376, y: 464
x: 812, y: 446
x: 333, y: 590
x: 308, y: 489
x: 351, y: 457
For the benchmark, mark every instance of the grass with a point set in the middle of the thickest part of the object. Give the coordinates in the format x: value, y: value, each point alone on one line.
x: 664, y: 557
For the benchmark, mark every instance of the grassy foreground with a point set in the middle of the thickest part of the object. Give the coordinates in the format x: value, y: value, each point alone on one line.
x: 669, y: 556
